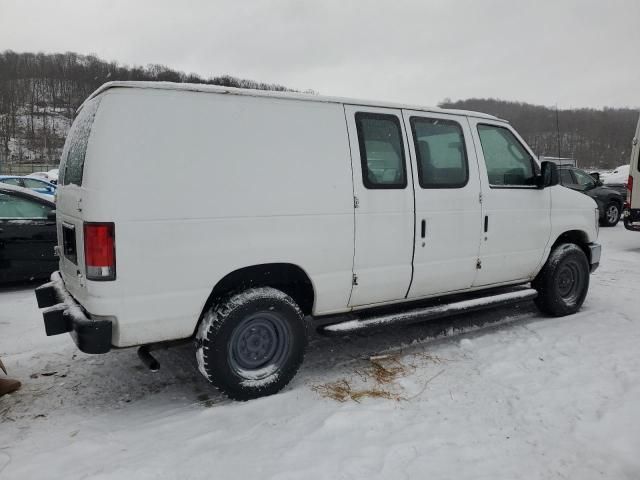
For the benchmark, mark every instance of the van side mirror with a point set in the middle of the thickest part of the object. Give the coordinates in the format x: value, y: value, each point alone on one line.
x: 549, y: 176
x: 51, y: 215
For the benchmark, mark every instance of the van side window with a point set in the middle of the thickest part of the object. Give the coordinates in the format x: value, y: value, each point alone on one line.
x: 381, y: 150
x: 508, y: 162
x: 440, y: 152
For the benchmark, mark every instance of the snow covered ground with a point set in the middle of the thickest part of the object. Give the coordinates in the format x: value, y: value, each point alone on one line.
x: 506, y: 394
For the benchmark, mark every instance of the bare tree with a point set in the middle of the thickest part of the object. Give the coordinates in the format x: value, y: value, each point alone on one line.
x: 595, y: 138
x: 39, y: 94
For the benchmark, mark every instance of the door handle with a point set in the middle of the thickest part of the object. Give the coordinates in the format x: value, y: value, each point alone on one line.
x: 423, y: 228
x: 486, y: 223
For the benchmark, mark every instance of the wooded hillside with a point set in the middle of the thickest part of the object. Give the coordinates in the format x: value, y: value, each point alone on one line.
x: 595, y: 138
x: 39, y: 94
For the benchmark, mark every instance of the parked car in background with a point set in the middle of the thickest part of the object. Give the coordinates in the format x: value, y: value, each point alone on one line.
x: 42, y: 175
x: 33, y: 183
x: 51, y: 176
x: 619, y: 174
x: 610, y: 201
x: 617, y: 179
x: 632, y: 206
x: 27, y: 234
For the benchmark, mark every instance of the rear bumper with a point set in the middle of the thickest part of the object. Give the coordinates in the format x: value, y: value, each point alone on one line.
x: 595, y: 250
x: 62, y: 314
x: 631, y: 218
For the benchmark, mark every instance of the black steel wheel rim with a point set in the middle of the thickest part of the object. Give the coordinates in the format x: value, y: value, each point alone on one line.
x: 259, y: 345
x: 570, y: 281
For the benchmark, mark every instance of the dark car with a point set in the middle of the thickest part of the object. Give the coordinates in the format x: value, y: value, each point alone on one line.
x: 27, y: 234
x: 621, y: 188
x: 609, y: 200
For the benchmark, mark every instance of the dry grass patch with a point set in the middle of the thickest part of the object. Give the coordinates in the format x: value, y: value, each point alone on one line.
x: 343, y: 390
x: 378, y: 377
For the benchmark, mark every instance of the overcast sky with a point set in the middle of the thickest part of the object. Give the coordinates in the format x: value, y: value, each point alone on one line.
x: 576, y: 53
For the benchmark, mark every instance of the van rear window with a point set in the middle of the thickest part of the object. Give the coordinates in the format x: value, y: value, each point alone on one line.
x: 75, y: 148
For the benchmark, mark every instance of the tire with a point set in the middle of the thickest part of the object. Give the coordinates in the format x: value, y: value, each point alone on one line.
x: 252, y: 343
x: 563, y: 282
x: 611, y: 215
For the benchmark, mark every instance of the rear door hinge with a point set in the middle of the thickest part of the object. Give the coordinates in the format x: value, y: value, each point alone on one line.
x: 356, y: 202
x: 479, y: 264
x: 354, y: 280
x: 480, y: 197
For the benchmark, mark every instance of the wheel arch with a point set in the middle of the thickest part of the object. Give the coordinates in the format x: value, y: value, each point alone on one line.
x: 287, y: 277
x: 617, y: 200
x: 578, y: 237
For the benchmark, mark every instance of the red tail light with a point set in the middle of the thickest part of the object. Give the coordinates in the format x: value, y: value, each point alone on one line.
x: 100, y: 251
x: 627, y: 204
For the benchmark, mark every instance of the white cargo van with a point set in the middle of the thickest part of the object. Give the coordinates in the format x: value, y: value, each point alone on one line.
x: 632, y: 206
x: 235, y: 218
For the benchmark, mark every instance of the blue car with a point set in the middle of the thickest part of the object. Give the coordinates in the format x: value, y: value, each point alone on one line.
x: 35, y: 184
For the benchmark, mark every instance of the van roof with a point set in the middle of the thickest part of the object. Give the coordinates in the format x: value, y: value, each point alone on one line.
x: 198, y: 87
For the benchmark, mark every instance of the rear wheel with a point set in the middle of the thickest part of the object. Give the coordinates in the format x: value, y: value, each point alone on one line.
x: 252, y: 343
x: 611, y: 215
x: 563, y: 282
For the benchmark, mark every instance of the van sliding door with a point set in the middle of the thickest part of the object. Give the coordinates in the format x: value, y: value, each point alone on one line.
x: 383, y: 201
x: 448, y: 210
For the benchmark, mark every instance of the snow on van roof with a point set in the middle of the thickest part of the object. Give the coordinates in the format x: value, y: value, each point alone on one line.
x: 198, y: 87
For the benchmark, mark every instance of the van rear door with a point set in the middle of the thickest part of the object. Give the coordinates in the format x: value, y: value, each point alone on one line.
x: 383, y: 200
x: 70, y: 195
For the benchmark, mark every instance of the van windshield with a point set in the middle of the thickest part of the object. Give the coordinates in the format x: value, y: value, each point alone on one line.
x: 75, y: 148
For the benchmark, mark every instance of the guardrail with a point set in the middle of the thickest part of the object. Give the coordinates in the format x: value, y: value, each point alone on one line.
x: 20, y: 169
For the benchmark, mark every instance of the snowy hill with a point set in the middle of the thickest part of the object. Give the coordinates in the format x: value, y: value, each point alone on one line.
x: 39, y: 94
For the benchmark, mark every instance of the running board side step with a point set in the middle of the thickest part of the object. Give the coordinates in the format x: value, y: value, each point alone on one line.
x: 429, y: 313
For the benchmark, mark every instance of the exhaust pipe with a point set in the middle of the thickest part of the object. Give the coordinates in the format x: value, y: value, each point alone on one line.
x: 148, y: 359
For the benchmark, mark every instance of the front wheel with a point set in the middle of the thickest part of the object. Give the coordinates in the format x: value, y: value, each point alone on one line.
x: 611, y: 215
x: 251, y: 344
x: 563, y: 282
